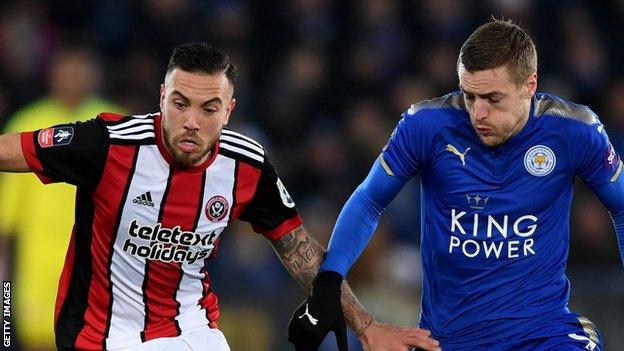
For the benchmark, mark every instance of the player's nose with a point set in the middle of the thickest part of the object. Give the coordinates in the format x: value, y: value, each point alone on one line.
x: 191, y: 120
x: 480, y: 109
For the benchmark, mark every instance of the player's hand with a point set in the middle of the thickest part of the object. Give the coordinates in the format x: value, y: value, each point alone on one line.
x: 387, y: 337
x: 319, y: 314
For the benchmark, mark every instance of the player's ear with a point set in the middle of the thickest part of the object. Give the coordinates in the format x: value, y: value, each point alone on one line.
x: 230, y: 107
x: 162, y: 97
x: 530, y: 85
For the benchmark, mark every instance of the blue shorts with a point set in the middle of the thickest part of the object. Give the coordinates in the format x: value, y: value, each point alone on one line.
x: 569, y: 333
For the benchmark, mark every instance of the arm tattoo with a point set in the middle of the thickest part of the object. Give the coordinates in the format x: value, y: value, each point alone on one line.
x: 302, y: 256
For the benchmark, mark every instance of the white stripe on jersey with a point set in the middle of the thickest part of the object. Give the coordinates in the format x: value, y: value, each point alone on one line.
x: 242, y: 152
x: 239, y: 135
x: 147, y: 115
x: 219, y: 182
x: 134, y: 129
x: 242, y: 142
x: 128, y: 271
x: 133, y: 136
x: 130, y: 123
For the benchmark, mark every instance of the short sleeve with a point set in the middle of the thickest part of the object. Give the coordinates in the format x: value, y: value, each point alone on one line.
x: 272, y: 211
x: 73, y: 153
x: 598, y: 162
x: 401, y: 154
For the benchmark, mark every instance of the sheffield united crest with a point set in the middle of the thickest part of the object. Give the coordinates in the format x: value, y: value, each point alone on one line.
x: 216, y: 208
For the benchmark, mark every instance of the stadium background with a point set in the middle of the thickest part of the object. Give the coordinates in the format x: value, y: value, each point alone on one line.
x: 322, y: 85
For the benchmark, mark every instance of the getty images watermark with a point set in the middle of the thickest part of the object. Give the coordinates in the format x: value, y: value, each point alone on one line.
x: 6, y: 314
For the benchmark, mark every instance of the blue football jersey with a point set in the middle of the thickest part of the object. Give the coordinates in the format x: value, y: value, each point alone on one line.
x: 495, y: 221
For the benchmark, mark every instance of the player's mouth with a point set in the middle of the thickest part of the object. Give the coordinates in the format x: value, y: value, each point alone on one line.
x: 484, y: 131
x: 188, y: 145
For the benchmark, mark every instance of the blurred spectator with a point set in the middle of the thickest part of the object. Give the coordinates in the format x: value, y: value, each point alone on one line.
x: 40, y: 221
x: 613, y: 112
x: 584, y: 53
x: 26, y: 42
x: 405, y: 92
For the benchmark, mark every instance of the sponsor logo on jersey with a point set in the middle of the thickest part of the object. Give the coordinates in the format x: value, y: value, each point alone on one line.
x: 216, y: 208
x: 494, y: 237
x: 144, y: 199
x: 462, y: 155
x: 55, y: 136
x: 286, y: 199
x: 45, y: 137
x: 168, y: 245
x: 611, y: 158
x: 540, y: 160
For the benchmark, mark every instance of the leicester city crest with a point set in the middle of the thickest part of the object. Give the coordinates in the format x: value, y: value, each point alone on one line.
x: 540, y: 160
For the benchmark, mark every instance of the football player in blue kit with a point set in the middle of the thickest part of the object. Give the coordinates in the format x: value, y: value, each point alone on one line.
x: 497, y: 163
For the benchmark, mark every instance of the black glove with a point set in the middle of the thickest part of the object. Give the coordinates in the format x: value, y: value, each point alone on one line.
x: 319, y: 314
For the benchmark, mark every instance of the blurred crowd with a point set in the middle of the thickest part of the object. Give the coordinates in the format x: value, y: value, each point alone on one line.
x: 323, y: 84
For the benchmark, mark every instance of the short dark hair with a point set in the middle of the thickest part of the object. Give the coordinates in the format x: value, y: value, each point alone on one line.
x: 200, y: 57
x: 499, y: 43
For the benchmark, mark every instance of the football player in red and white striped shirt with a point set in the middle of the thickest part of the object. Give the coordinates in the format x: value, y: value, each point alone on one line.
x: 154, y: 194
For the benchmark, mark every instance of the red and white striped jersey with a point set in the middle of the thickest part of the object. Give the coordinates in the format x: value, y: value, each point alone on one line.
x: 145, y: 227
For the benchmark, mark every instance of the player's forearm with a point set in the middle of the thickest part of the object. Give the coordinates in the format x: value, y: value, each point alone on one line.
x: 612, y: 196
x: 11, y: 155
x: 302, y: 257
x: 356, y: 316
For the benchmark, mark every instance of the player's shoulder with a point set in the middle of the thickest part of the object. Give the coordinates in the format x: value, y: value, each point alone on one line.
x: 553, y: 109
x: 443, y: 114
x: 241, y: 147
x: 452, y: 101
x: 437, y: 111
x: 129, y: 129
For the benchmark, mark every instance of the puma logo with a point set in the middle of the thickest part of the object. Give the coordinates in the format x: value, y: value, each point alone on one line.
x: 453, y: 150
x: 307, y: 314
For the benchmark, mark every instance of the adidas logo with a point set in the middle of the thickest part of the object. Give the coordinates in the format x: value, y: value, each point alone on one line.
x: 144, y: 199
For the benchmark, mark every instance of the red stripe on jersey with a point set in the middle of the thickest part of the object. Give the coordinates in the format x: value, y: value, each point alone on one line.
x: 65, y: 276
x: 286, y: 227
x: 107, y: 200
x: 29, y: 151
x: 110, y: 117
x: 210, y: 302
x: 246, y: 182
x: 163, y: 278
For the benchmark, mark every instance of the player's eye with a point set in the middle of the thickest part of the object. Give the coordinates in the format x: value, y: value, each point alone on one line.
x: 469, y: 97
x: 179, y: 105
x: 494, y: 100
x: 209, y: 111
